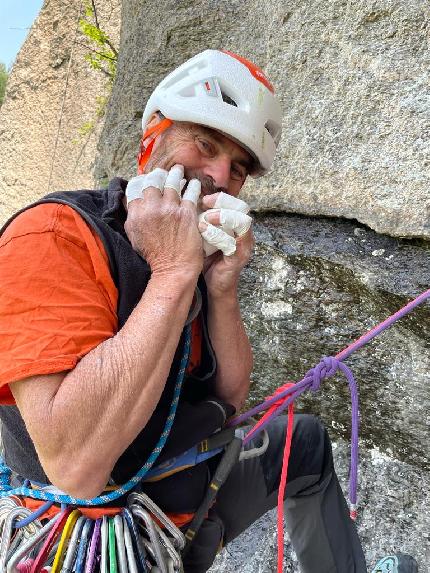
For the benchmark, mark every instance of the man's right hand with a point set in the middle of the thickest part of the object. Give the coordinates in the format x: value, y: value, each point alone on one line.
x: 119, y: 382
x: 160, y: 226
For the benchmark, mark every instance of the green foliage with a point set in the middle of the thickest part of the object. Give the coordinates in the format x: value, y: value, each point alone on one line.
x: 3, y: 81
x: 86, y: 128
x: 101, y: 105
x: 102, y: 54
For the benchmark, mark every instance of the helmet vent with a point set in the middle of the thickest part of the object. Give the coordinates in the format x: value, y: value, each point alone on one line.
x: 273, y: 129
x: 228, y: 99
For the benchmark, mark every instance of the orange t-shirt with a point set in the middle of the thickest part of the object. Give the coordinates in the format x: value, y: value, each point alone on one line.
x: 57, y: 297
x: 58, y: 300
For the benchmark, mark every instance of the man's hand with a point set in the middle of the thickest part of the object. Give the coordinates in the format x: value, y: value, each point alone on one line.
x: 222, y: 272
x: 161, y: 227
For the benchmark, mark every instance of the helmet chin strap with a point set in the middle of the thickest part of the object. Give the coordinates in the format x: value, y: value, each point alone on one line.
x: 146, y: 146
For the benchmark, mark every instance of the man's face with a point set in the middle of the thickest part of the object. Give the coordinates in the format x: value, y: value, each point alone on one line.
x: 217, y: 161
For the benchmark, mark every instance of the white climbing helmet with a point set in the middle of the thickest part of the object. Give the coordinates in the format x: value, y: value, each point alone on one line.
x: 223, y: 91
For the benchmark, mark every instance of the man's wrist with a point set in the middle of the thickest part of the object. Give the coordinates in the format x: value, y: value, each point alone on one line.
x: 171, y: 283
x: 228, y: 297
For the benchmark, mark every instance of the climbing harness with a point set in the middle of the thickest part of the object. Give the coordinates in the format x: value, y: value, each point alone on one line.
x: 140, y: 537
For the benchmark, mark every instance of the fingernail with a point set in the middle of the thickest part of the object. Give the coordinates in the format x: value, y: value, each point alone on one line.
x: 202, y: 227
x: 179, y: 167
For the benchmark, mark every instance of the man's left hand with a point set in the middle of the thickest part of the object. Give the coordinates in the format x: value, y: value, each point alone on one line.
x: 222, y: 272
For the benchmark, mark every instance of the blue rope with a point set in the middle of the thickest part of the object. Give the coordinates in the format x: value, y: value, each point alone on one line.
x: 35, y: 515
x: 5, y: 475
x: 6, y: 490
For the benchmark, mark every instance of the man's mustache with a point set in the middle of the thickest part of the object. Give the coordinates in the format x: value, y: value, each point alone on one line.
x: 208, y: 185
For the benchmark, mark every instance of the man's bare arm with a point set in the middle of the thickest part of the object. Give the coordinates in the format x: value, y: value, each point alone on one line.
x: 232, y: 349
x: 82, y: 422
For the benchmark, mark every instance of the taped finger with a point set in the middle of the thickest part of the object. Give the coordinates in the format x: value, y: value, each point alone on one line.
x: 134, y: 188
x: 218, y: 238
x: 235, y: 221
x: 137, y: 185
x: 226, y: 201
x: 192, y: 192
x: 174, y: 178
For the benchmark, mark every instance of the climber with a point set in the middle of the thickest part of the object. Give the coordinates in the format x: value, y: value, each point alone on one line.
x: 96, y: 289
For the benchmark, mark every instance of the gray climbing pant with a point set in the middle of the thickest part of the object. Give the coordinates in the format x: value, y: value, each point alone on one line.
x: 323, y: 536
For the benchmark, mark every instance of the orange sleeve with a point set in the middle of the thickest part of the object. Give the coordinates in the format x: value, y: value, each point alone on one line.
x: 57, y: 297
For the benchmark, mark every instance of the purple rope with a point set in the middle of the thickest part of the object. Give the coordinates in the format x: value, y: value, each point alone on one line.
x: 340, y: 356
x: 312, y: 381
x: 383, y: 325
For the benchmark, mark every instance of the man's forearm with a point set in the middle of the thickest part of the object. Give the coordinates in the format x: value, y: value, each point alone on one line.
x: 101, y: 405
x: 232, y: 348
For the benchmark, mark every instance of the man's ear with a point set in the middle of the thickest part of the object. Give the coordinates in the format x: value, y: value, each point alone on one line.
x: 155, y: 118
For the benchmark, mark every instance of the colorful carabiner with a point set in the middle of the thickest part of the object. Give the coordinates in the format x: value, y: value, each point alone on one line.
x: 112, y: 547
x: 50, y: 541
x: 72, y: 548
x: 139, y: 550
x: 120, y: 544
x: 83, y: 545
x: 65, y: 536
x: 94, y: 545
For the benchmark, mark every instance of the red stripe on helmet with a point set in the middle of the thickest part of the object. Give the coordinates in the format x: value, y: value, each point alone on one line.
x: 255, y: 70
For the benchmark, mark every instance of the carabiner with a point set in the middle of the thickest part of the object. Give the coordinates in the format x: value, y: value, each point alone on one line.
x: 28, y: 545
x: 143, y: 500
x: 155, y: 543
x: 17, y: 512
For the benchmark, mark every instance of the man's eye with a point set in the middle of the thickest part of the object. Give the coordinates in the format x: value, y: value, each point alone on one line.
x: 237, y: 173
x: 205, y: 145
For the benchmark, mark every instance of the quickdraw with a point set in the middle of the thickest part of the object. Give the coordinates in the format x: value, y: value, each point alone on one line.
x: 138, y: 539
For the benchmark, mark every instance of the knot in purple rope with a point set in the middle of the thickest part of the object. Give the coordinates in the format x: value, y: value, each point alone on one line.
x: 326, y: 368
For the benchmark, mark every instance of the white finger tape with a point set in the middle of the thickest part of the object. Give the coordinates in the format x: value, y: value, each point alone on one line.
x: 235, y: 221
x: 193, y: 190
x: 174, y: 178
x: 216, y: 237
x: 226, y: 201
x: 134, y: 188
x: 137, y: 185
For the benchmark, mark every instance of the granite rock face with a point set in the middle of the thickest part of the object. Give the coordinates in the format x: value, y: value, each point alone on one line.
x: 51, y: 95
x: 353, y: 79
x: 314, y: 286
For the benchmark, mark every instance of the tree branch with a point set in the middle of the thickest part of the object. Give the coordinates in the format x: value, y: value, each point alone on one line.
x: 95, y: 13
x: 108, y: 42
x: 113, y: 59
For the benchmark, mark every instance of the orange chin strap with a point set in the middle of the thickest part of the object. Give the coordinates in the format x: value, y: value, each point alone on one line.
x: 146, y: 148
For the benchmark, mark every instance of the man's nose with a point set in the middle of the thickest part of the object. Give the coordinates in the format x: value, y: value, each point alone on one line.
x: 218, y: 169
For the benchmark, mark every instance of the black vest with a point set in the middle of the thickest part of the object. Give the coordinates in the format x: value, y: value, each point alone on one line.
x: 198, y: 415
